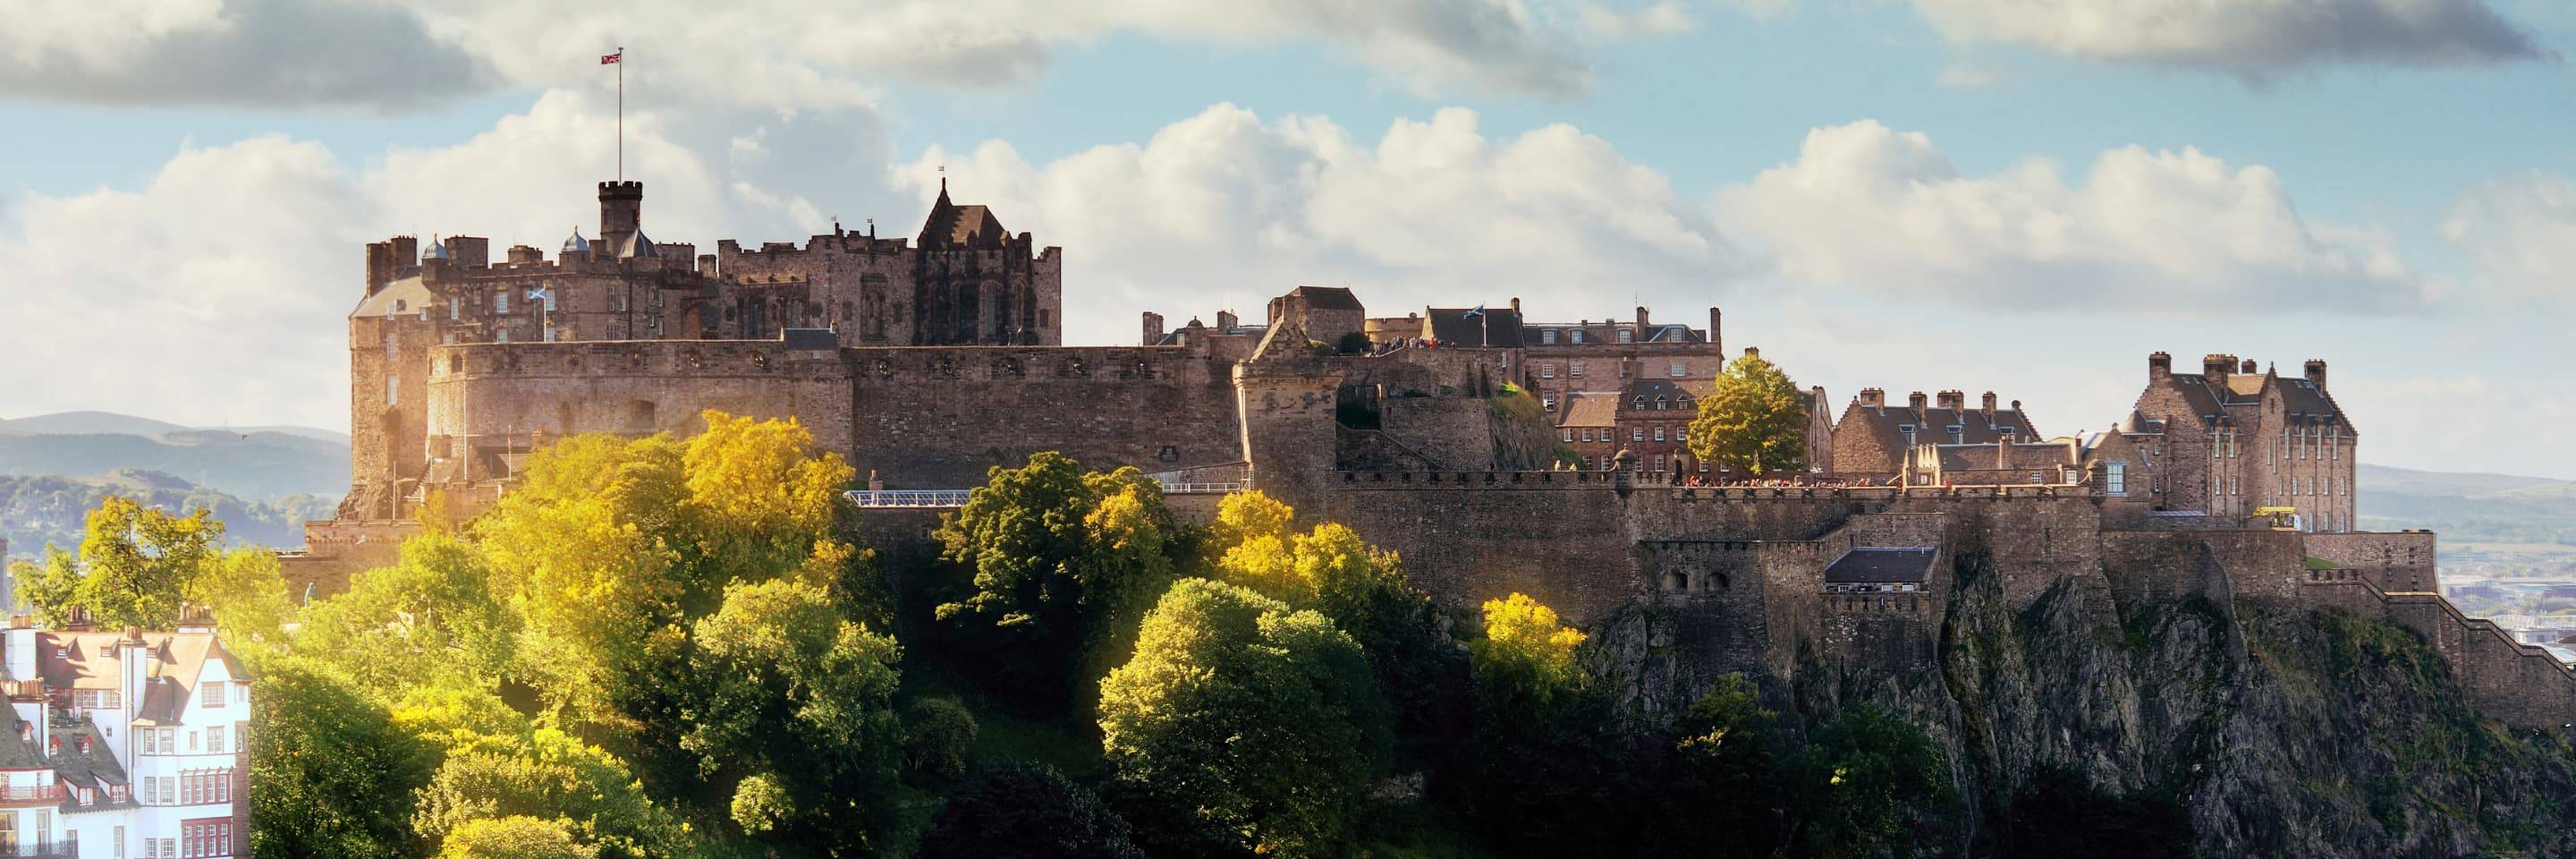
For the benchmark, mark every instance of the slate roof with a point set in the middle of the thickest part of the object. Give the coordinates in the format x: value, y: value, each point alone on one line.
x: 1327, y: 297
x: 2301, y: 399
x: 1650, y: 387
x: 1932, y: 425
x: 2025, y: 455
x: 1907, y: 564
x: 810, y: 339
x: 407, y: 292
x: 1500, y: 327
x: 952, y: 225
x: 1590, y: 409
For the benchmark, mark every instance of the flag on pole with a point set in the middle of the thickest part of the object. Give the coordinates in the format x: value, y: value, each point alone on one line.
x: 1479, y: 311
x: 610, y: 59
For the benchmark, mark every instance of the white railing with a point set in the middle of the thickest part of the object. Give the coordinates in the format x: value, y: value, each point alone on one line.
x: 909, y: 497
x: 1170, y: 488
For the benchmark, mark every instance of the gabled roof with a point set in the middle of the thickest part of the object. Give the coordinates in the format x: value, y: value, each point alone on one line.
x: 1901, y: 564
x: 1327, y: 297
x: 2025, y: 455
x: 952, y: 225
x: 94, y: 660
x: 1650, y: 387
x: 1932, y: 424
x: 1590, y: 409
x: 408, y: 294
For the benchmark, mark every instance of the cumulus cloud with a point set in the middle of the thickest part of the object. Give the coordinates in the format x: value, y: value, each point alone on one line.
x: 775, y: 53
x: 1224, y: 208
x: 2251, y: 38
x: 2520, y: 233
x: 1881, y: 212
x: 231, y: 52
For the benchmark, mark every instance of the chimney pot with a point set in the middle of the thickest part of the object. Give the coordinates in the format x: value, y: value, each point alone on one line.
x: 1915, y: 400
x: 1953, y: 400
x: 1990, y: 402
x: 2316, y: 372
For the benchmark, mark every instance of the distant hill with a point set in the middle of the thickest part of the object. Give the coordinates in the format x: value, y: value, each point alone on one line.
x: 255, y: 463
x: 2475, y: 508
x: 37, y: 510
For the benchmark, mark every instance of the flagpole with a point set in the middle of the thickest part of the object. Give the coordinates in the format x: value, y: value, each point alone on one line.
x: 621, y: 113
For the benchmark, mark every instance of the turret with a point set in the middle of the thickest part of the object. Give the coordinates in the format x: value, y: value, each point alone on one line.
x: 1153, y: 328
x: 621, y: 213
x: 1284, y: 404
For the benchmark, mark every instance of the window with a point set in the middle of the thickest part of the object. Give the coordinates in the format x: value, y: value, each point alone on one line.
x: 214, y: 693
x: 1578, y: 338
x: 1627, y: 336
x: 501, y: 300
x: 1636, y: 433
x: 550, y: 332
x: 1660, y: 402
x: 116, y: 844
x: 1546, y: 370
x: 549, y: 293
x: 501, y: 335
x: 1574, y: 370
x: 1639, y: 404
x: 1547, y: 336
x: 150, y: 746
x: 2116, y: 478
x: 1569, y: 436
x: 1659, y: 434
x: 1587, y: 435
x: 392, y: 345
x: 215, y: 739
x: 393, y: 389
x: 1549, y: 402
x: 1679, y: 370
x: 192, y: 741
x: 455, y: 310
x: 1659, y: 462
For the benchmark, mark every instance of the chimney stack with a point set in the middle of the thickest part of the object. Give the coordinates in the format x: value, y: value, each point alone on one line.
x: 1642, y: 336
x: 1990, y: 404
x: 2317, y: 373
x: 2247, y: 368
x: 2159, y: 365
x: 1153, y: 328
x: 1226, y: 322
x: 1714, y: 339
x: 2214, y: 368
x: 380, y: 265
x: 1874, y: 398
x: 1954, y: 400
x: 1914, y: 401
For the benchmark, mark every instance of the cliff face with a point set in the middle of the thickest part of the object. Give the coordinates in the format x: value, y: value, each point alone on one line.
x: 2180, y: 726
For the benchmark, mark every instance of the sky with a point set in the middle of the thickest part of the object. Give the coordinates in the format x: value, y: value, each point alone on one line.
x: 2023, y: 196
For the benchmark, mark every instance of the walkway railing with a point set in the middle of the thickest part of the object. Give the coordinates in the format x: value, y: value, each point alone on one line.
x: 954, y: 498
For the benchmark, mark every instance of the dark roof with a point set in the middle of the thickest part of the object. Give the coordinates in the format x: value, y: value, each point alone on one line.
x: 952, y: 225
x: 1327, y: 297
x: 1880, y: 565
x: 1500, y: 326
x: 1650, y: 388
x: 815, y: 339
x: 2028, y: 455
x: 1590, y: 409
x: 1932, y: 425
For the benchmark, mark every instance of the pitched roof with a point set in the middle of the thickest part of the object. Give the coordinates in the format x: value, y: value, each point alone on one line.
x: 2025, y: 455
x: 92, y: 660
x: 408, y: 294
x: 1327, y: 297
x: 1499, y: 327
x: 1903, y: 564
x: 952, y: 225
x: 1590, y: 409
x: 1933, y: 424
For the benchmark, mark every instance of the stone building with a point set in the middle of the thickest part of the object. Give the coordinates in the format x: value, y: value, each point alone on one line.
x: 1653, y: 422
x: 2233, y: 440
x: 1589, y: 427
x: 1873, y: 439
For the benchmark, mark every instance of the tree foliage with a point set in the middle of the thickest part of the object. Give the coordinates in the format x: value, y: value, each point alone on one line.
x: 791, y: 689
x: 334, y: 774
x: 1243, y: 724
x: 1025, y: 811
x: 937, y: 732
x: 514, y: 837
x: 135, y: 566
x: 1754, y: 420
x: 1525, y: 662
x: 547, y: 775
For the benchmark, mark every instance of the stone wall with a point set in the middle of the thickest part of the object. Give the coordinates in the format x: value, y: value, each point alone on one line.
x: 2402, y: 561
x: 513, y: 395
x: 1561, y: 537
x: 939, y: 417
x: 1454, y: 432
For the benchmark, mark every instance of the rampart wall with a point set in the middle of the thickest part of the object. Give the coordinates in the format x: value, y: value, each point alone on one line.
x: 1456, y: 432
x: 2402, y: 561
x: 939, y: 417
x: 505, y: 392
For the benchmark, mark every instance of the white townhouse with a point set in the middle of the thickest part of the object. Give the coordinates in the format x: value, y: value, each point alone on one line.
x: 123, y: 745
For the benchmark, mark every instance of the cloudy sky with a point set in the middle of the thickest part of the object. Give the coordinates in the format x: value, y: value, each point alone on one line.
x: 2025, y: 196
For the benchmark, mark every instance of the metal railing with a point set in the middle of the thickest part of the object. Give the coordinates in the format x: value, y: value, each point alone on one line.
x: 64, y: 848
x: 1202, y: 488
x: 909, y: 497
x: 16, y: 795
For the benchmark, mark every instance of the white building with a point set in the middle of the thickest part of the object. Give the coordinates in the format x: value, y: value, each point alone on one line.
x: 123, y: 745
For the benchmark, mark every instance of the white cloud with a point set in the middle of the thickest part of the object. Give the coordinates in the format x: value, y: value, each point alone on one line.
x: 1222, y: 208
x: 2179, y: 233
x: 2251, y: 38
x: 774, y: 53
x: 2520, y: 232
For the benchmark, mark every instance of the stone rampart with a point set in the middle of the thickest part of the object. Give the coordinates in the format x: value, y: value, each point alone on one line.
x: 1452, y: 431
x: 939, y: 417
x: 2395, y: 562
x: 516, y: 394
x: 2516, y: 683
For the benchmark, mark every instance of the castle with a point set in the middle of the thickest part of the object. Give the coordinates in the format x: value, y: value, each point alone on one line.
x: 1495, y: 452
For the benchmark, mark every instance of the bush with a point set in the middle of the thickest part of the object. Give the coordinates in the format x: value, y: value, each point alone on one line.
x: 936, y: 734
x: 1025, y: 810
x: 1354, y: 343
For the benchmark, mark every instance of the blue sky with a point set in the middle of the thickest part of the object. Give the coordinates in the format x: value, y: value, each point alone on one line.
x: 1986, y: 202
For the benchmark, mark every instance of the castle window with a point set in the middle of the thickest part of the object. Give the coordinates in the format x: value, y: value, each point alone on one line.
x: 2116, y: 478
x: 501, y: 300
x: 1636, y: 433
x: 1640, y: 404
x: 1659, y: 462
x: 500, y: 335
x: 547, y: 294
x: 392, y: 389
x: 401, y: 305
x: 1659, y: 402
x: 550, y: 332
x: 455, y: 310
x: 1549, y: 403
x: 1659, y: 433
x: 1587, y: 435
x: 390, y: 346
x: 1569, y: 436
x: 1959, y: 434
x: 1577, y: 334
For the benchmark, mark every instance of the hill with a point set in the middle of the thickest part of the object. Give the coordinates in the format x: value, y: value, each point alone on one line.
x: 37, y: 510
x: 254, y: 463
x: 2469, y: 508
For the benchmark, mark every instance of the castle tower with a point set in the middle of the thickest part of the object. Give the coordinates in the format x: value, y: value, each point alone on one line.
x: 1284, y: 403
x: 621, y: 213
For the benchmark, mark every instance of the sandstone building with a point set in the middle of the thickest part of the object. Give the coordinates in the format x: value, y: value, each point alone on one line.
x: 925, y: 363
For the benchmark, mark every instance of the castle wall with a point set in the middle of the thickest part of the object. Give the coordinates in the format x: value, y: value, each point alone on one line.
x: 2396, y: 562
x: 1455, y: 432
x: 513, y: 395
x: 1561, y: 537
x: 939, y: 417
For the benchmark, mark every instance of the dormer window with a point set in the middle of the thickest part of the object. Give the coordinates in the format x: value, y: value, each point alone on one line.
x: 1627, y: 336
x: 1547, y: 336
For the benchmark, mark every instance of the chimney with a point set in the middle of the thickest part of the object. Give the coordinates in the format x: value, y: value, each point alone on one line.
x: 470, y: 251
x: 1874, y: 398
x: 1713, y: 339
x: 525, y: 255
x: 1990, y: 404
x: 1642, y: 336
x: 1153, y: 328
x: 1226, y: 322
x: 2317, y: 373
x: 1954, y: 400
x: 380, y: 265
x: 2214, y: 368
x: 2247, y: 368
x: 2003, y: 451
x: 1516, y: 307
x: 1914, y: 401
x: 621, y: 213
x: 2159, y: 365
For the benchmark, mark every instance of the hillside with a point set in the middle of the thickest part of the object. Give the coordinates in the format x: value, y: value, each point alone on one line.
x: 2469, y: 508
x: 37, y: 510
x: 255, y: 464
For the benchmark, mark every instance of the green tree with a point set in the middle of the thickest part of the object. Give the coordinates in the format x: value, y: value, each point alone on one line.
x: 1754, y: 420
x: 429, y: 619
x: 937, y: 732
x: 1865, y: 780
x: 547, y: 775
x: 514, y: 837
x: 1718, y: 795
x: 791, y: 689
x: 1525, y: 662
x: 1243, y: 724
x: 246, y: 593
x: 1061, y: 561
x: 335, y: 775
x: 134, y: 568
x: 1025, y: 811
